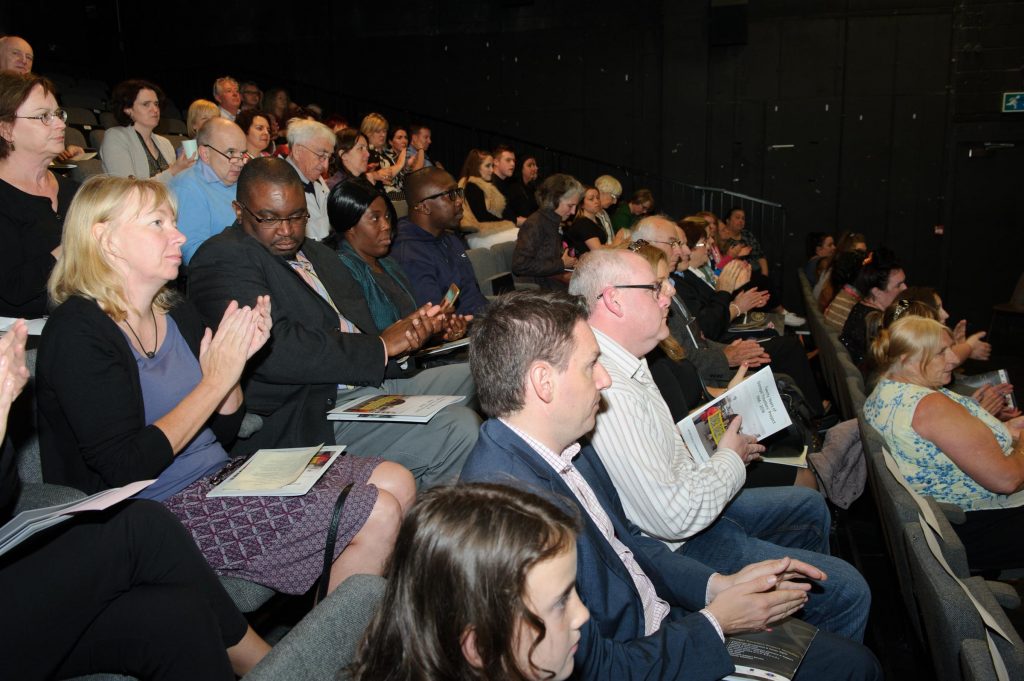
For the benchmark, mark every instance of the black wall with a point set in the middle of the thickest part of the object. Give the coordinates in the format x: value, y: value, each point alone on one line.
x: 874, y: 115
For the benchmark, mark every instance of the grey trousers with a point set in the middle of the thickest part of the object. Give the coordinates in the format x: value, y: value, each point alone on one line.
x: 433, y: 451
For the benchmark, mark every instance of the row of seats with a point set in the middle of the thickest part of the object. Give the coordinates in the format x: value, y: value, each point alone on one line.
x: 944, y: 619
x: 319, y: 647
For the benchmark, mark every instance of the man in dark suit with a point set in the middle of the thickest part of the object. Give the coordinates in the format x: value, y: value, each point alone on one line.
x: 535, y: 361
x: 319, y: 354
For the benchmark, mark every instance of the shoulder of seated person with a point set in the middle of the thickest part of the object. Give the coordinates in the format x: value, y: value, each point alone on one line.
x: 936, y: 407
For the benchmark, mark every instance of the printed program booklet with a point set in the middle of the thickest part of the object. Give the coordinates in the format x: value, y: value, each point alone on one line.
x: 398, y: 408
x: 756, y: 399
x: 278, y: 472
x: 966, y: 385
x: 774, y: 654
x: 27, y: 523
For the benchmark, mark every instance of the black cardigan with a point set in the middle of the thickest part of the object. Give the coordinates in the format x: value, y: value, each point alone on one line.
x: 92, y: 429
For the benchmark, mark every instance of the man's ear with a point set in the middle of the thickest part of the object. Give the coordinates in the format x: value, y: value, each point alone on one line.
x: 237, y: 207
x: 469, y: 651
x: 540, y: 379
x: 610, y: 300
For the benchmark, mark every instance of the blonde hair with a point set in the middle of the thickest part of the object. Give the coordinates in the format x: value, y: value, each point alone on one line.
x: 373, y: 122
x: 84, y: 267
x: 195, y: 110
x: 654, y: 255
x: 908, y: 338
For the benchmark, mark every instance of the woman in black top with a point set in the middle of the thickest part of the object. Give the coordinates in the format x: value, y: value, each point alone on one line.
x: 586, y: 233
x: 484, y: 203
x: 33, y: 200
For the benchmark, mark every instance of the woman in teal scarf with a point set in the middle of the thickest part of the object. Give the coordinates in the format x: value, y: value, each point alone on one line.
x: 362, y: 220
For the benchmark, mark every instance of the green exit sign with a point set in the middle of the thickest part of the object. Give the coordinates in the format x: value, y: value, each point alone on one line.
x: 1013, y: 102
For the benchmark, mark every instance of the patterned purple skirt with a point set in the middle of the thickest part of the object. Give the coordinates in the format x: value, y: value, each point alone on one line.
x: 277, y: 541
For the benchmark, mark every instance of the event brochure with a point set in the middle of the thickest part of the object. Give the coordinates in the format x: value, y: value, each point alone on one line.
x: 35, y: 326
x: 393, y: 408
x: 774, y: 654
x: 27, y: 523
x: 966, y: 385
x: 278, y: 472
x: 756, y: 399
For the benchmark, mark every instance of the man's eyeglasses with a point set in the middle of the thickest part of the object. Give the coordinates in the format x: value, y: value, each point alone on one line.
x: 273, y: 223
x: 657, y: 288
x: 673, y: 243
x: 453, y: 194
x: 321, y: 155
x: 230, y: 154
x: 47, y: 116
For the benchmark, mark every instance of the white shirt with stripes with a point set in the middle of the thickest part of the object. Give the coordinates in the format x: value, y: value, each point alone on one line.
x: 664, y: 490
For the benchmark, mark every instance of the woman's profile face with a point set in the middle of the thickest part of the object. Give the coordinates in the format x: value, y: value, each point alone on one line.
x: 939, y: 369
x: 400, y: 140
x: 592, y: 202
x: 372, y: 234
x: 551, y: 596
x: 943, y: 315
x: 487, y: 168
x: 567, y: 205
x: 34, y: 136
x: 145, y: 248
x: 258, y: 136
x: 356, y: 158
x: 377, y: 137
x: 530, y: 170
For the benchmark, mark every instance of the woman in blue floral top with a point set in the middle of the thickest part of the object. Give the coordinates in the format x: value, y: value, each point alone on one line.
x: 945, y: 444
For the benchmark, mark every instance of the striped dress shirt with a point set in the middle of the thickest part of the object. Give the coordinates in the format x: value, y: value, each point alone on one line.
x: 664, y: 491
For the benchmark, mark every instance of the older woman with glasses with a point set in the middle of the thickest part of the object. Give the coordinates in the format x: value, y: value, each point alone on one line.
x: 540, y: 250
x: 134, y: 150
x: 33, y: 201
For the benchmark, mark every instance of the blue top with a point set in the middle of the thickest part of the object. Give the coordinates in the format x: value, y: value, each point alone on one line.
x: 433, y: 263
x: 890, y: 410
x: 204, y: 205
x: 166, y: 379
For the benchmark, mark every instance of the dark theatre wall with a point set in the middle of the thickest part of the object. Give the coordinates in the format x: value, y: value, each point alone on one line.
x: 876, y: 115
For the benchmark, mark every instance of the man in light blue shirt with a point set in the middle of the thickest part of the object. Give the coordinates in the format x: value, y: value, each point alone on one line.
x: 205, y: 191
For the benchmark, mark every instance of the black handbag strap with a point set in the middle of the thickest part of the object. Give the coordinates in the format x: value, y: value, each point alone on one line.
x: 332, y: 538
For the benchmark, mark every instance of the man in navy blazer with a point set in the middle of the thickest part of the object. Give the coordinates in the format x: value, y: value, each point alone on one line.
x: 655, y: 614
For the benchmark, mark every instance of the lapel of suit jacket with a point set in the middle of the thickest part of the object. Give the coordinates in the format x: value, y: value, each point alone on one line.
x: 603, y: 547
x: 340, y: 285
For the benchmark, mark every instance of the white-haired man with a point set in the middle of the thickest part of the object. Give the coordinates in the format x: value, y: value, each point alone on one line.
x: 228, y: 97
x: 312, y: 145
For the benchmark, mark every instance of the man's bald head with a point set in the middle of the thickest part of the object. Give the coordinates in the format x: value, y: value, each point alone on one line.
x: 15, y: 54
x: 425, y: 182
x: 435, y: 200
x: 265, y: 171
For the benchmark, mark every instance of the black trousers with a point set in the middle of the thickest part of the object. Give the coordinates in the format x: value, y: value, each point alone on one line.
x: 989, y: 538
x: 788, y: 357
x: 123, y: 591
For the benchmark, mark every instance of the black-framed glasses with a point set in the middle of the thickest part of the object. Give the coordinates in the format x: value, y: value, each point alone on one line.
x: 230, y: 154
x: 273, y: 223
x: 453, y: 195
x: 47, y: 116
x: 657, y: 288
x: 321, y: 155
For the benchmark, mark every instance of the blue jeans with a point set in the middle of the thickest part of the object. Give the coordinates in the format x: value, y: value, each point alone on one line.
x: 772, y: 522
